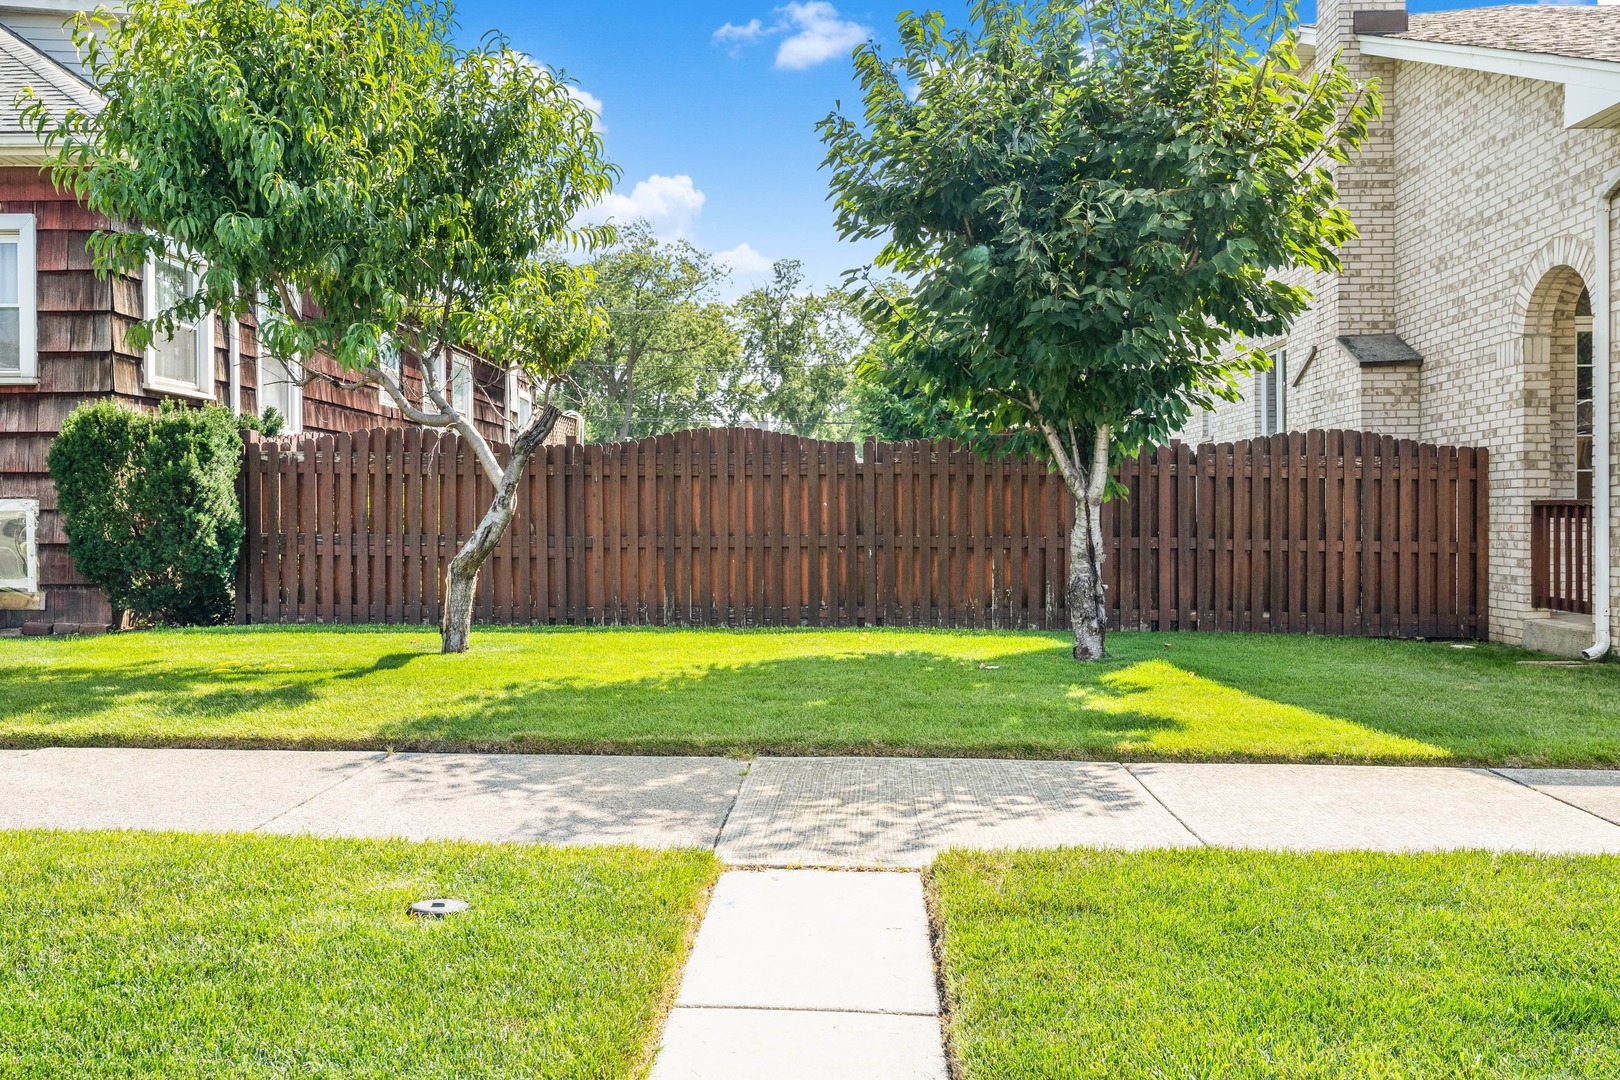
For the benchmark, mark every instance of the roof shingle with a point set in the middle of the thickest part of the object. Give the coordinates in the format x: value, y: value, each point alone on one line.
x: 1587, y: 33
x: 22, y: 65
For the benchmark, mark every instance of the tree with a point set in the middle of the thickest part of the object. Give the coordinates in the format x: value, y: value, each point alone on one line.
x: 798, y: 349
x: 345, y: 164
x: 668, y: 350
x: 1088, y: 205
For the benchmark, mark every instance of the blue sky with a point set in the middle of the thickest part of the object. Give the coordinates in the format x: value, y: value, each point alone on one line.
x: 710, y: 109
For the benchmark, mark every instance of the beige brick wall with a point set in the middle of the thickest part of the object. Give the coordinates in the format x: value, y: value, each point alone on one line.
x: 1486, y: 238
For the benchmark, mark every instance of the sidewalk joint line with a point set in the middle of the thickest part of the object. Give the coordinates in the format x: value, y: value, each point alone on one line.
x: 1154, y: 795
x: 339, y: 782
x: 1494, y: 771
x: 807, y: 1009
x: 736, y: 798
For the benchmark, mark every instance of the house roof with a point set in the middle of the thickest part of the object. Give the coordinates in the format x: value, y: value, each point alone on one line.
x: 1585, y: 33
x: 22, y: 65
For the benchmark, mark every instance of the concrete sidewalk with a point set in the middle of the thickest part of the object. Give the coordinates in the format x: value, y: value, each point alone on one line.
x: 806, y: 974
x: 835, y: 812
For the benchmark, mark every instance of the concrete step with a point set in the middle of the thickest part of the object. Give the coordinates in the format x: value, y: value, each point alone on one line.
x: 1559, y: 634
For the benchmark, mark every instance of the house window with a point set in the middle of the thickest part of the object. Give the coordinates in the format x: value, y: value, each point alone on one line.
x: 19, y: 358
x: 19, y: 553
x: 461, y: 384
x: 521, y: 396
x: 1583, y: 397
x: 281, y: 385
x: 1271, y: 396
x: 233, y: 362
x: 281, y: 382
x: 388, y: 360
x: 182, y: 362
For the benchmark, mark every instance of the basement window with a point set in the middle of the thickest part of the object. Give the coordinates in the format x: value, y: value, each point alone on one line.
x: 19, y: 550
x: 19, y: 357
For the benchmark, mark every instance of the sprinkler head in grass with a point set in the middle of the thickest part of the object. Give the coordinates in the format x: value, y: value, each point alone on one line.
x: 437, y: 909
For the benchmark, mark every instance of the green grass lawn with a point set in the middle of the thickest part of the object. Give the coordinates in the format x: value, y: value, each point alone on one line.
x: 1249, y: 966
x: 180, y: 956
x: 1182, y: 696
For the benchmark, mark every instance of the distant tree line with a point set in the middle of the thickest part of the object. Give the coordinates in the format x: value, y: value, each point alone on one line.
x: 782, y: 355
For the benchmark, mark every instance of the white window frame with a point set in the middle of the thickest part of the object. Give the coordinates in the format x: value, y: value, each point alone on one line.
x: 24, y: 228
x: 463, y: 361
x: 517, y: 389
x: 293, y: 415
x: 233, y: 362
x: 383, y: 396
x: 30, y: 581
x: 203, y: 360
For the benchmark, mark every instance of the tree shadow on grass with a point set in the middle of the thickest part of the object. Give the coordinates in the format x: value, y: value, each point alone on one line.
x: 1192, y: 696
x: 913, y: 703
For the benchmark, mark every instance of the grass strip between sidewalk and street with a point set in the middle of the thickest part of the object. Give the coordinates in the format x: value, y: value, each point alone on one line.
x: 128, y: 954
x: 1086, y: 964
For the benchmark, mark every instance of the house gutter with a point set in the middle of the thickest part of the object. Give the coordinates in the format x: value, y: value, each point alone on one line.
x: 1602, y: 425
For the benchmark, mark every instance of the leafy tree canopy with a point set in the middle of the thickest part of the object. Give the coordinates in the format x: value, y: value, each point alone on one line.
x: 668, y: 351
x: 342, y: 158
x: 344, y: 163
x: 1089, y: 206
x: 798, y: 349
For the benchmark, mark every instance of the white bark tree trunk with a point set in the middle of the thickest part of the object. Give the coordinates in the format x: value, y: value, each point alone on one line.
x: 1088, y: 607
x: 1086, y: 481
x: 461, y: 576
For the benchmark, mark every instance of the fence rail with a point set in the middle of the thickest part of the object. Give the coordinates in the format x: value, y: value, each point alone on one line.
x: 1561, y: 562
x: 1332, y: 532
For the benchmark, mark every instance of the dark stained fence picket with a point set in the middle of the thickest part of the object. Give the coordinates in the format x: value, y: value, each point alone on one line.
x: 1322, y: 532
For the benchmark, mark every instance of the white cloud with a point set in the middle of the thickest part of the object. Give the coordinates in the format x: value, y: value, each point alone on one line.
x: 669, y: 203
x: 590, y: 101
x: 815, y: 33
x: 748, y: 33
x: 821, y: 36
x: 743, y: 259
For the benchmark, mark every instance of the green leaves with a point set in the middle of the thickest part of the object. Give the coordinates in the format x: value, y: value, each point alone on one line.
x: 343, y: 158
x: 150, y: 506
x: 1088, y: 205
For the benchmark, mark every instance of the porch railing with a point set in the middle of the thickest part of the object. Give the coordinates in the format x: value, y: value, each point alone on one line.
x: 1561, y: 555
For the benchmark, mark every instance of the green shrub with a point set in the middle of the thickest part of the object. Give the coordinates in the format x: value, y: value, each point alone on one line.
x: 268, y: 423
x: 149, y: 501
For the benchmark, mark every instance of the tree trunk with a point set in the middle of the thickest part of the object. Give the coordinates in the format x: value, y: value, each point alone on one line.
x: 1088, y: 604
x: 1088, y: 610
x: 461, y: 576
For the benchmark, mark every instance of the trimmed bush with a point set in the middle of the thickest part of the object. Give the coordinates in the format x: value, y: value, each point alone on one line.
x: 149, y: 501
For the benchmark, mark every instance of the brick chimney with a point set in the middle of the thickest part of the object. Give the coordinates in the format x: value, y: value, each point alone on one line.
x: 1364, y: 290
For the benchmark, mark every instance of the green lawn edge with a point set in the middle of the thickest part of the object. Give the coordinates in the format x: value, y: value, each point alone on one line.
x: 225, y: 956
x: 813, y: 691
x: 1085, y: 964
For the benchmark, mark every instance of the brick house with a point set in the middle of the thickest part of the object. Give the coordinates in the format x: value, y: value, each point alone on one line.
x: 1468, y: 311
x: 62, y: 342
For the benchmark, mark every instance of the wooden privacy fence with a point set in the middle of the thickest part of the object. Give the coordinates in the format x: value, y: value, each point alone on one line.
x: 1334, y: 532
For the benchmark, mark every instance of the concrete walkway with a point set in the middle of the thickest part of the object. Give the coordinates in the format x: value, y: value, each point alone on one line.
x: 830, y: 812
x: 799, y: 974
x: 806, y: 974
